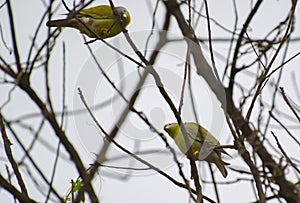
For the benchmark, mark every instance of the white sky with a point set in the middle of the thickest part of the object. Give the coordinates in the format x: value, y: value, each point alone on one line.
x: 142, y: 186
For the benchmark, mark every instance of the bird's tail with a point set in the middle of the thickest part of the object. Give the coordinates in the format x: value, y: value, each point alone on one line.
x: 221, y: 166
x: 60, y: 23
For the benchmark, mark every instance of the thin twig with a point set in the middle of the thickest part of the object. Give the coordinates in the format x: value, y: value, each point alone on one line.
x: 12, y: 190
x: 214, y: 181
x: 30, y: 159
x: 9, y: 154
x: 284, y: 127
x: 284, y: 153
x: 288, y: 103
x: 268, y: 67
x: 13, y: 35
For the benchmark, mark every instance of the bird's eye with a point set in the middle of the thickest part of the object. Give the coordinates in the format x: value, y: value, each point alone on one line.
x: 124, y: 15
x: 167, y: 125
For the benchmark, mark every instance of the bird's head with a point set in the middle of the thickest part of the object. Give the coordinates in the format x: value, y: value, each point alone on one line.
x: 124, y: 15
x: 172, y: 129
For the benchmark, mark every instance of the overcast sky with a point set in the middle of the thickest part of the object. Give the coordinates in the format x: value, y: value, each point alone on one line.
x: 144, y: 185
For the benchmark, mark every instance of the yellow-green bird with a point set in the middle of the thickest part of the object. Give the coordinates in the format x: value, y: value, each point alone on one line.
x: 99, y: 19
x: 203, y: 143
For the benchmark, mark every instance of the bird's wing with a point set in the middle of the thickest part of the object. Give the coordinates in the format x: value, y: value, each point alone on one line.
x: 192, y: 130
x: 98, y: 12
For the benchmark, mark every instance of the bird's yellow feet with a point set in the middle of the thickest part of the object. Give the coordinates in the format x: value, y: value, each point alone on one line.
x: 196, y: 153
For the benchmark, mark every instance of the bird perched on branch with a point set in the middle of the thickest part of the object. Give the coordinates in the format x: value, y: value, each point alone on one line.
x: 202, y: 143
x: 98, y: 21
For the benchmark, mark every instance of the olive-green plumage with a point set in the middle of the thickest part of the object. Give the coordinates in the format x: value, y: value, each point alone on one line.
x: 202, y: 142
x: 99, y: 19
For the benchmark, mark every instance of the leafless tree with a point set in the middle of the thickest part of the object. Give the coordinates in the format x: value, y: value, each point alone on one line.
x: 246, y: 81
